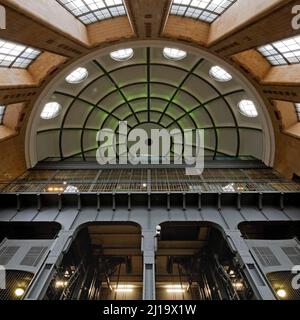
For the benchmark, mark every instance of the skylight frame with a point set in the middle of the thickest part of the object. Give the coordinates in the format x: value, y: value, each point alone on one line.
x: 122, y: 55
x: 297, y: 109
x: 219, y: 74
x: 204, y: 10
x: 248, y: 108
x: 174, y: 54
x: 17, y: 56
x: 2, y: 112
x: 94, y: 10
x: 48, y: 114
x: 77, y: 76
x: 283, y: 52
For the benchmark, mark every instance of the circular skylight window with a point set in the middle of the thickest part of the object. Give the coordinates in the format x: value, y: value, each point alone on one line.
x: 77, y: 76
x: 51, y: 110
x: 174, y: 54
x: 248, y: 109
x: 122, y: 55
x: 219, y: 74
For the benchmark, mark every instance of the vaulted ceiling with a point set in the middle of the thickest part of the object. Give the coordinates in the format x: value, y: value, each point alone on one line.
x: 149, y: 91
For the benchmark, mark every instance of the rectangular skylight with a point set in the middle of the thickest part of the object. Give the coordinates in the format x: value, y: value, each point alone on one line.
x: 2, y: 110
x: 297, y: 107
x: 282, y: 52
x: 205, y: 10
x: 90, y: 11
x: 14, y: 55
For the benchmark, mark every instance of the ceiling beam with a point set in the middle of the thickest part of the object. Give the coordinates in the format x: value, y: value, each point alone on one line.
x: 276, y: 82
x: 21, y: 85
x: 148, y: 17
x: 250, y: 24
x: 187, y: 29
x: 282, y: 92
x: 15, y: 95
x: 40, y: 26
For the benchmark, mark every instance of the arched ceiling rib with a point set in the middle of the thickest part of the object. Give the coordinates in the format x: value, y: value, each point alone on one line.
x: 149, y: 90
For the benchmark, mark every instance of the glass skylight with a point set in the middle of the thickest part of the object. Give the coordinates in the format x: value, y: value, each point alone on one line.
x: 2, y: 110
x: 219, y: 74
x: 248, y: 109
x: 77, y: 76
x: 282, y: 52
x: 122, y: 55
x: 174, y: 54
x: 205, y: 10
x: 297, y: 107
x: 14, y: 55
x: 51, y: 110
x: 90, y: 11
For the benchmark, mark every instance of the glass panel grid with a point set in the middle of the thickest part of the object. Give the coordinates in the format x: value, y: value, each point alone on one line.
x: 205, y: 10
x: 2, y: 111
x: 219, y: 74
x: 90, y: 11
x: 77, y: 76
x: 14, y: 55
x: 248, y: 109
x: 282, y: 52
x: 51, y: 110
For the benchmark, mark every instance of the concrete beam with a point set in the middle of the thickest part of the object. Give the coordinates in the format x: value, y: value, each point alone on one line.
x: 250, y: 24
x: 148, y: 17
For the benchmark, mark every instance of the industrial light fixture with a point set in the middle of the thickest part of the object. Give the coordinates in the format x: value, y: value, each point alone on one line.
x: 229, y: 188
x: 71, y: 189
x: 124, y: 288
x: 232, y: 273
x: 248, y: 109
x: 238, y: 285
x: 19, y: 292
x: 77, y: 76
x: 175, y: 288
x: 281, y: 293
x: 219, y: 74
x: 51, y: 110
x: 60, y: 284
x: 122, y: 55
x: 55, y: 189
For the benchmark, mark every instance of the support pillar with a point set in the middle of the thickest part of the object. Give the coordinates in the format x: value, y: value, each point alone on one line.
x: 42, y: 279
x: 149, y: 247
x: 253, y: 274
